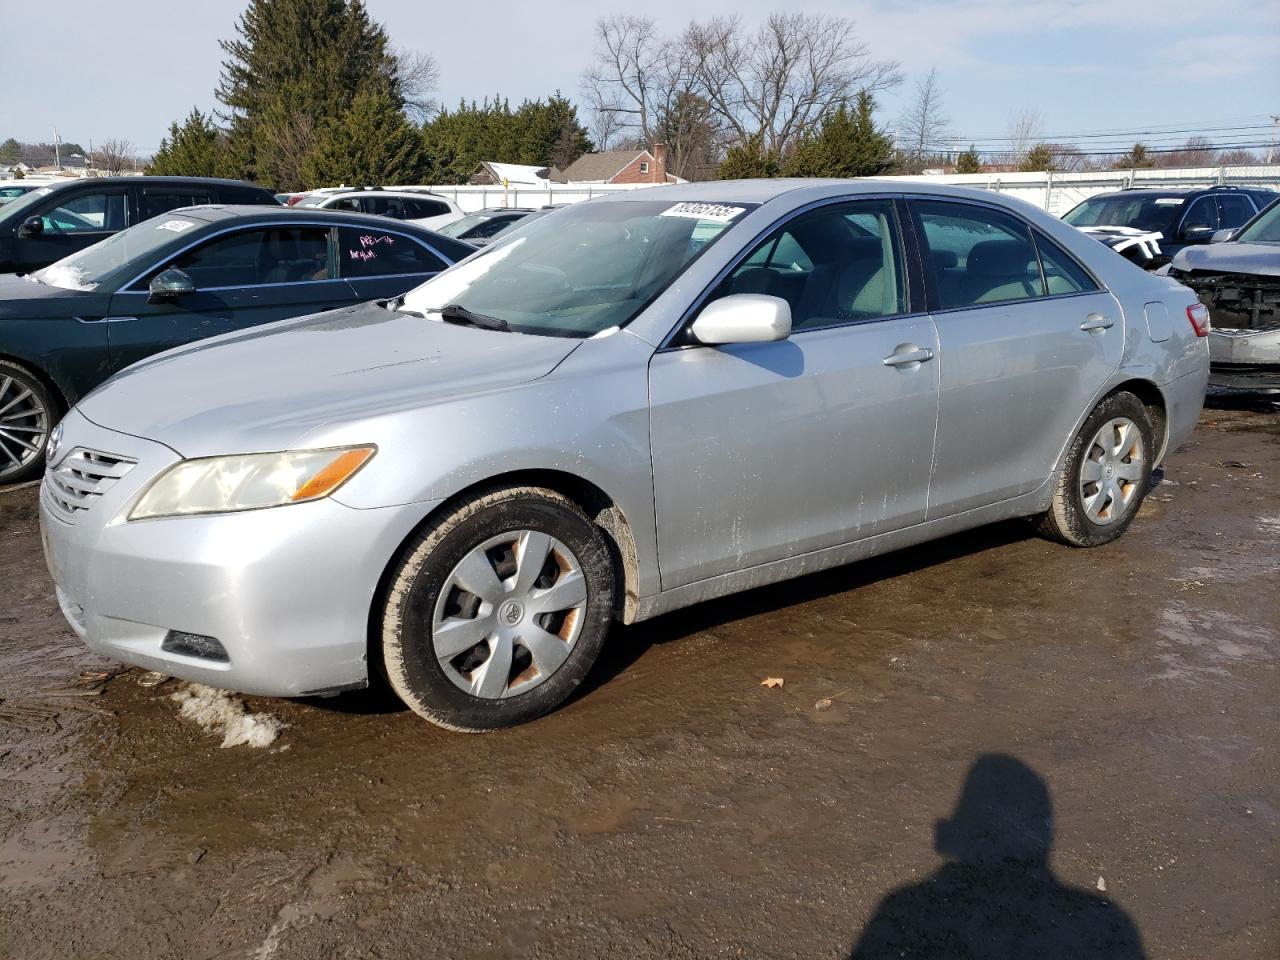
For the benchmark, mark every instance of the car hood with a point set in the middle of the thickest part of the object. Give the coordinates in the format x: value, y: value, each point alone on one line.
x: 20, y: 297
x: 263, y: 389
x: 1260, y: 259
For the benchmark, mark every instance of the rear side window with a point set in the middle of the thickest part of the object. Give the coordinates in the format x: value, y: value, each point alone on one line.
x: 350, y: 204
x: 1234, y: 211
x: 1061, y: 272
x: 416, y: 209
x: 978, y: 255
x: 155, y: 202
x: 256, y: 257
x: 373, y: 253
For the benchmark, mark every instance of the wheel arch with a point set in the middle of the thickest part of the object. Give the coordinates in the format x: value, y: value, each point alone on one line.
x: 56, y: 389
x: 595, y: 502
x: 1157, y: 408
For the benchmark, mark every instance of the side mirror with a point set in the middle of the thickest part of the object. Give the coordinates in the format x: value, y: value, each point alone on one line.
x: 1197, y: 233
x: 31, y: 227
x: 1222, y: 236
x: 170, y: 285
x: 743, y: 318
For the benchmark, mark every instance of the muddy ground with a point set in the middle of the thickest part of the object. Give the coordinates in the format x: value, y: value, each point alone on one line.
x: 677, y: 808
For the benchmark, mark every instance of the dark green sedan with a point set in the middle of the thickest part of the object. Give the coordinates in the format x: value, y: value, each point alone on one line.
x: 182, y: 276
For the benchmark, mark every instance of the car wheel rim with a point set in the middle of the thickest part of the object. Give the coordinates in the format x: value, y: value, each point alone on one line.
x: 1112, y: 471
x: 24, y: 426
x: 509, y: 614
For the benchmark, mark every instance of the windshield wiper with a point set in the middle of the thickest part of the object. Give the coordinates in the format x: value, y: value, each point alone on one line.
x: 456, y: 313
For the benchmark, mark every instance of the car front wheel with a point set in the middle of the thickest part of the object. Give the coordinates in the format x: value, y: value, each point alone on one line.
x: 28, y: 412
x: 496, y: 612
x: 1105, y: 475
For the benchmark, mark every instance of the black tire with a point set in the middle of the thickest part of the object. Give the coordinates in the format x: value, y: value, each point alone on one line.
x: 25, y: 397
x: 1067, y: 520
x: 408, y: 651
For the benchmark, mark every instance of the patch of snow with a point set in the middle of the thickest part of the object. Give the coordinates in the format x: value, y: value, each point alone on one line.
x: 217, y: 712
x: 66, y: 276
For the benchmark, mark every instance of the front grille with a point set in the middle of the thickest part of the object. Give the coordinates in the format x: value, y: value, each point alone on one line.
x: 81, y: 478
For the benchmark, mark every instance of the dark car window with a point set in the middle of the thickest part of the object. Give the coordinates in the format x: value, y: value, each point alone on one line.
x: 352, y: 204
x: 1061, y: 272
x: 489, y: 228
x: 416, y: 209
x: 88, y: 213
x: 155, y: 202
x: 978, y: 255
x: 1202, y: 213
x: 1233, y: 210
x: 835, y: 265
x: 373, y: 253
x: 253, y: 257
x: 384, y: 207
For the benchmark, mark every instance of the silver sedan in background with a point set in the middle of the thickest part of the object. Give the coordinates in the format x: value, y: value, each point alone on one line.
x: 634, y: 404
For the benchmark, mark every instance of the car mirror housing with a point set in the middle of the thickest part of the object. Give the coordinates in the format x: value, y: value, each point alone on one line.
x: 169, y: 285
x: 1197, y: 233
x: 31, y: 227
x: 743, y: 318
x: 1222, y: 236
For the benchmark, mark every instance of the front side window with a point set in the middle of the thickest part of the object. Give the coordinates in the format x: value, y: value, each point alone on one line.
x: 592, y: 267
x: 87, y: 213
x: 1233, y: 211
x: 978, y: 255
x: 836, y: 265
x: 255, y: 257
x: 349, y: 204
x: 1202, y: 213
x: 373, y: 253
x: 1266, y: 229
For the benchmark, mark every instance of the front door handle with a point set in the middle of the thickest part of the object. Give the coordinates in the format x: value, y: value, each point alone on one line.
x: 1096, y: 321
x: 908, y: 353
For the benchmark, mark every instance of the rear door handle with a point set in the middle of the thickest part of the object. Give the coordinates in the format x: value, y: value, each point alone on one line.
x: 1096, y: 321
x: 908, y: 354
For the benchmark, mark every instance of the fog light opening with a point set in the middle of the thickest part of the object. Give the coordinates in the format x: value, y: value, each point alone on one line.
x: 194, y: 645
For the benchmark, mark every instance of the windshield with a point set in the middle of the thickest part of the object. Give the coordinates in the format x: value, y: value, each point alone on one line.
x: 1151, y: 214
x: 591, y: 268
x: 29, y: 199
x: 459, y: 227
x: 1264, y: 229
x: 86, y: 269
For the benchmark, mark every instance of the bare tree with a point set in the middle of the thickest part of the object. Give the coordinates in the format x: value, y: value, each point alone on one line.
x: 624, y: 83
x: 1024, y: 131
x: 1196, y: 152
x: 419, y: 75
x: 115, y: 156
x: 777, y: 83
x: 922, y: 128
x: 1237, y: 157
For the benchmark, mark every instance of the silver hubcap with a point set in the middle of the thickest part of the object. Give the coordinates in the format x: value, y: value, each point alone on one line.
x: 24, y: 426
x: 509, y: 614
x: 1112, y: 470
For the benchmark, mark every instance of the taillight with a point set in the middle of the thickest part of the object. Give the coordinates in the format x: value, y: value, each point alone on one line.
x: 1198, y: 314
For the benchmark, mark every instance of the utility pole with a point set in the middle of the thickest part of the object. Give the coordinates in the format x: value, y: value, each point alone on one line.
x: 1271, y: 150
x: 57, y: 150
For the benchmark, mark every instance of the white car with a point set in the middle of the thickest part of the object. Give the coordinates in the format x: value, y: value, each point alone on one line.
x: 429, y: 210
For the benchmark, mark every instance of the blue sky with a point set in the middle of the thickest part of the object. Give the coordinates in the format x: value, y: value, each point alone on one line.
x: 1083, y: 66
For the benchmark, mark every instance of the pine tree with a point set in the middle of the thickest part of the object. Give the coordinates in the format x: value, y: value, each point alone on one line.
x: 847, y: 145
x: 10, y: 151
x: 969, y: 161
x: 748, y: 161
x: 1038, y: 158
x: 372, y: 143
x: 295, y: 67
x: 190, y: 150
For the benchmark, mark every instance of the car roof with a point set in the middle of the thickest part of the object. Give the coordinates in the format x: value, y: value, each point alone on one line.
x: 1181, y: 191
x: 161, y: 181
x: 762, y: 191
x: 250, y: 213
x: 361, y: 192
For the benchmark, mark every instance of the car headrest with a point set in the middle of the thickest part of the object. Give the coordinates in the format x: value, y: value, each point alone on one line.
x: 945, y: 259
x: 999, y: 258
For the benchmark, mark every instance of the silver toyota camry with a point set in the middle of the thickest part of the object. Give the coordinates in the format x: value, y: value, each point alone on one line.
x: 631, y: 405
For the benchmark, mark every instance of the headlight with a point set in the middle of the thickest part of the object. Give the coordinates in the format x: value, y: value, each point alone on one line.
x: 249, y: 482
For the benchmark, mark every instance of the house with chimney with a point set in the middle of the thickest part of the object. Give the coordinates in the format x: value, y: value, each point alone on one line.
x: 618, y: 166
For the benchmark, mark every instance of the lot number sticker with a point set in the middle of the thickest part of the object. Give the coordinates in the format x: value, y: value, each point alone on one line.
x: 175, y: 226
x: 704, y: 211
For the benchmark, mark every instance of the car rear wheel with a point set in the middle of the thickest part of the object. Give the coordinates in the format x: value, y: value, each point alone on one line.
x: 28, y: 412
x: 1105, y: 476
x: 496, y: 611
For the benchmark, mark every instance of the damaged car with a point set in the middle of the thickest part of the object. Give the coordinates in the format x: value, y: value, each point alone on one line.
x: 1149, y: 227
x: 1239, y: 281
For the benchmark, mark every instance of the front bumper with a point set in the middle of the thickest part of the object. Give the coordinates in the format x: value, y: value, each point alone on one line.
x: 286, y: 591
x: 1244, y: 359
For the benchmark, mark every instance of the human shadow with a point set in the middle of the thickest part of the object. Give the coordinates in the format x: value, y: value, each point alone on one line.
x: 996, y: 898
